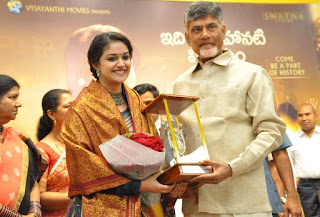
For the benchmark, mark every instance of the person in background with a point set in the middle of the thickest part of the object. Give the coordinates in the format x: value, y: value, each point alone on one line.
x: 236, y: 109
x: 21, y: 165
x: 54, y: 184
x: 148, y: 93
x: 281, y: 165
x: 304, y: 154
x: 103, y: 110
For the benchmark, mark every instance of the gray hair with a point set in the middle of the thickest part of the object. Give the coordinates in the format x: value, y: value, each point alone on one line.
x: 202, y: 9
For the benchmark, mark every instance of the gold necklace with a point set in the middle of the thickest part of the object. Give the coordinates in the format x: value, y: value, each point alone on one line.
x: 57, y: 146
x: 56, y: 138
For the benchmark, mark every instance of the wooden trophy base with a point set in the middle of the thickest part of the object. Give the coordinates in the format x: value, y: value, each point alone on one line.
x: 182, y: 172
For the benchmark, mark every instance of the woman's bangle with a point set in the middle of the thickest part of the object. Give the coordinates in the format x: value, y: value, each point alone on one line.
x: 6, y: 212
x: 35, y: 208
x: 1, y: 210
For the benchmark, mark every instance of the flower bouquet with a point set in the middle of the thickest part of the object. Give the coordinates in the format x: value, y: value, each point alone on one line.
x: 137, y: 156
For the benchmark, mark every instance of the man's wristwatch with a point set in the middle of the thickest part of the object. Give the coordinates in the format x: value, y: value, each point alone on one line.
x: 283, y: 200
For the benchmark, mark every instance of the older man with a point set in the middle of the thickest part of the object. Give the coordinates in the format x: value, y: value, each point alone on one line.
x: 305, y: 154
x: 238, y: 116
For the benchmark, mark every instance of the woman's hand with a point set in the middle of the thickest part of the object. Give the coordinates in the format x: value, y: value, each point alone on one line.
x: 178, y: 190
x: 151, y: 184
x: 35, y: 192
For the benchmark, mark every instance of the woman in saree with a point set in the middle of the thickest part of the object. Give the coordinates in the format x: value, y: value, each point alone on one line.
x: 54, y: 184
x: 103, y: 110
x: 21, y: 165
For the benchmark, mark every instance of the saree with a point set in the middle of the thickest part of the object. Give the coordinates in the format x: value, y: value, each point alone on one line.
x: 92, y: 119
x: 56, y: 174
x: 21, y: 166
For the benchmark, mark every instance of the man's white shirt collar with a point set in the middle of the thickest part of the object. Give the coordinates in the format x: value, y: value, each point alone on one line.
x: 300, y: 132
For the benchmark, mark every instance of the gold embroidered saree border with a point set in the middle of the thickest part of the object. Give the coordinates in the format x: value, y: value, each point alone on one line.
x: 24, y: 174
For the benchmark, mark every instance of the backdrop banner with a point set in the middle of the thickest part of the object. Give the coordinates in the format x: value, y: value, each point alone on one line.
x: 44, y: 43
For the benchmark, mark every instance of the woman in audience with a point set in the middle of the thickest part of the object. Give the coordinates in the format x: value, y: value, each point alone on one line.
x: 54, y: 184
x: 21, y: 164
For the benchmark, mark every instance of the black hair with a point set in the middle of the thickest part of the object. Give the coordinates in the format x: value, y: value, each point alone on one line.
x: 6, y: 83
x: 142, y: 88
x: 287, y: 109
x: 50, y: 101
x: 102, y: 42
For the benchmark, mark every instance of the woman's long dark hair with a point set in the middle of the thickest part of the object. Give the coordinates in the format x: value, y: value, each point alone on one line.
x: 6, y: 83
x: 50, y: 101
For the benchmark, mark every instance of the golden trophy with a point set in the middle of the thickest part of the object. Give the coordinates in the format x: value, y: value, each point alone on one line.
x: 179, y: 169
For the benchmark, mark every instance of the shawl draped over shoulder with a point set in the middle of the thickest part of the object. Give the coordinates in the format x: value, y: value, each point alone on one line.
x: 91, y: 120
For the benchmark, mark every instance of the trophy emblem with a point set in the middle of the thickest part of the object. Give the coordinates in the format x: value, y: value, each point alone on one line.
x: 181, y: 167
x: 178, y: 134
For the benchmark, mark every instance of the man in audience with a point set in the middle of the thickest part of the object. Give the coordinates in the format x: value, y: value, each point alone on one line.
x: 148, y: 93
x: 237, y: 113
x: 305, y: 154
x: 281, y: 178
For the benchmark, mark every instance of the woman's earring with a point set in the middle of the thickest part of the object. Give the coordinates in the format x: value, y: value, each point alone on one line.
x: 54, y: 122
x: 98, y: 73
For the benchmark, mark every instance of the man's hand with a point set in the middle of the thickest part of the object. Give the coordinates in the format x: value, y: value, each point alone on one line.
x: 283, y: 166
x: 292, y: 206
x: 221, y: 171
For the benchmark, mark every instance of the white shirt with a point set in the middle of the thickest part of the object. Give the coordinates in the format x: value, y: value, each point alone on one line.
x: 305, y: 154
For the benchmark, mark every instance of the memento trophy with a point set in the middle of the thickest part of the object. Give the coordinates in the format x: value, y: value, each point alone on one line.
x: 181, y: 168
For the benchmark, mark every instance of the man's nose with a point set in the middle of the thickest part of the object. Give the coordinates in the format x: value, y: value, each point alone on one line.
x: 205, y: 33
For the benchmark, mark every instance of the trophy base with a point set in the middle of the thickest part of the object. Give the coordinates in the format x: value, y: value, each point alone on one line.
x: 182, y: 172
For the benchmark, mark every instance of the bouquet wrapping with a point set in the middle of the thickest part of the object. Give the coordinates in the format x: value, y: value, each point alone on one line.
x: 137, y: 157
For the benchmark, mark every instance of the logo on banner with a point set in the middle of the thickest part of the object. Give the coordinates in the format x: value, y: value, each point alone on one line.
x: 283, y: 17
x: 15, y: 6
